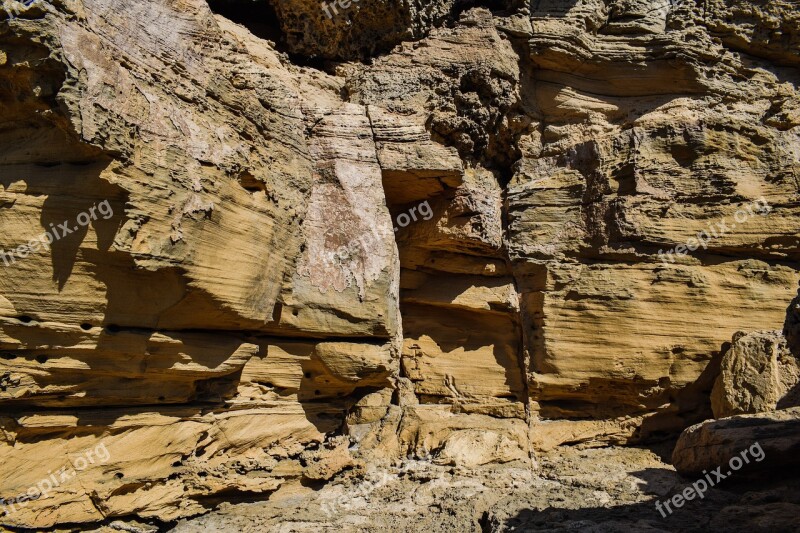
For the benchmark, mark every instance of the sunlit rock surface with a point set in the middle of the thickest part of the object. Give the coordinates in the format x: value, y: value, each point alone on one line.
x: 462, y: 232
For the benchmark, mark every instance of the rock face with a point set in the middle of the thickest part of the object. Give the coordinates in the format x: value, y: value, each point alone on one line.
x: 758, y: 374
x: 355, y: 29
x: 238, y: 266
x: 772, y: 440
x: 792, y: 326
x: 618, y: 175
x: 204, y: 331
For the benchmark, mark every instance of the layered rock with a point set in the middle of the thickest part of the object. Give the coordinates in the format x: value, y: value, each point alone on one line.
x: 207, y: 298
x: 519, y: 228
x: 627, y: 167
x: 466, y: 396
x: 791, y: 328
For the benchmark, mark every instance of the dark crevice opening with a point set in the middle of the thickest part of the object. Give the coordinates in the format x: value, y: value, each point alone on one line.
x: 258, y: 17
x: 261, y: 19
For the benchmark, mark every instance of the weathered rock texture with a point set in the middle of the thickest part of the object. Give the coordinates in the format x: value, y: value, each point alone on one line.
x: 758, y: 374
x: 706, y: 446
x: 606, y: 489
x: 791, y: 328
x: 641, y: 118
x: 254, y: 313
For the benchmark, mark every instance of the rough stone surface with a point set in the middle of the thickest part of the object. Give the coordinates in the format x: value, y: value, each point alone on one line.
x: 361, y: 29
x: 613, y: 489
x: 758, y: 374
x: 620, y: 172
x: 791, y: 328
x: 712, y: 444
x: 458, y: 231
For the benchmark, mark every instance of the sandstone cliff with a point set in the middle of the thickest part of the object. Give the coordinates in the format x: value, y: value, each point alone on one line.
x: 598, y: 193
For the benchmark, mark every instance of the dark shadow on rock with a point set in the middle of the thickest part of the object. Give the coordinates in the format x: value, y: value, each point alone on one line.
x: 325, y: 398
x: 658, y: 481
x: 690, y: 405
x: 70, y: 190
x: 791, y: 399
x: 74, y: 194
x: 552, y: 8
x: 62, y: 215
x: 622, y: 518
x: 791, y: 327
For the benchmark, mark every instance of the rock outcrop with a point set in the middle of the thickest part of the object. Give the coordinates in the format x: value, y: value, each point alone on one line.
x: 204, y: 331
x: 248, y: 247
x: 355, y: 29
x: 774, y: 439
x: 758, y: 374
x: 612, y: 223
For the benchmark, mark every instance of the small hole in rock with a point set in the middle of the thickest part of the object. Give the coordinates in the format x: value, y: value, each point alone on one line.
x: 316, y: 392
x: 25, y: 319
x: 112, y: 328
x: 41, y: 358
x: 86, y: 327
x: 307, y: 375
x: 119, y: 475
x: 251, y: 184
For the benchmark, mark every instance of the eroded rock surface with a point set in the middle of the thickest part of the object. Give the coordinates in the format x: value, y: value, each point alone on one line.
x: 714, y: 443
x: 758, y: 374
x: 791, y: 328
x: 612, y: 489
x: 505, y: 228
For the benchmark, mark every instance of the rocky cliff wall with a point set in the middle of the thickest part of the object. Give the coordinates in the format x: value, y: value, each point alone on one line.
x: 465, y: 230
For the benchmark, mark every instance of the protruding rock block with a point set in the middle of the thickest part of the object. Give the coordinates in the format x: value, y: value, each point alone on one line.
x: 758, y: 374
x: 771, y: 441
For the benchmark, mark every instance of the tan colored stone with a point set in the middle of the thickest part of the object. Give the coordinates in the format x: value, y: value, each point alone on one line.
x: 248, y: 321
x: 772, y: 440
x: 758, y: 374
